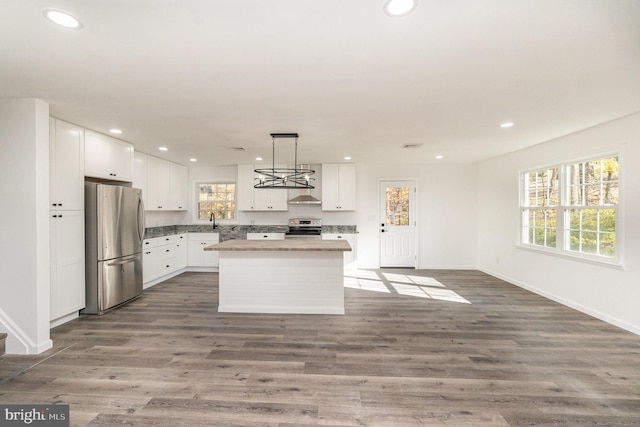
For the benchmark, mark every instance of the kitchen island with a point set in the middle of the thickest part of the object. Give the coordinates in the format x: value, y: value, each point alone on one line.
x: 281, y: 276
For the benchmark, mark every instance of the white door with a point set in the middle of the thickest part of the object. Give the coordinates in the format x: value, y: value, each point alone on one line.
x: 397, y: 224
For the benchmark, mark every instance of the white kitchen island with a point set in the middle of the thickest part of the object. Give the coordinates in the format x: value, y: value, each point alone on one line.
x: 281, y: 276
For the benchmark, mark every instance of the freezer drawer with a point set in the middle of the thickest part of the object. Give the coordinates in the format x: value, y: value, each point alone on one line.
x: 118, y: 281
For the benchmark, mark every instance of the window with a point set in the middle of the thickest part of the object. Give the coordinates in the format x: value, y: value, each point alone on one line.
x: 572, y: 208
x: 541, y: 192
x: 397, y: 211
x: 216, y: 198
x: 590, y: 217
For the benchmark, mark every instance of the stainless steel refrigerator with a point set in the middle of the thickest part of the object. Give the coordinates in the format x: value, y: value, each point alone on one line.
x: 114, y: 229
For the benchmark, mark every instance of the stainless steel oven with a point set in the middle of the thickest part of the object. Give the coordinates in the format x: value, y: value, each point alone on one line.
x: 304, y: 228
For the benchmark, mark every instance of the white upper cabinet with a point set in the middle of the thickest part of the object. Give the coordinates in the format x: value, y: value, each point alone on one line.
x: 66, y: 166
x: 338, y: 187
x: 179, y: 196
x: 140, y: 172
x: 166, y: 186
x: 108, y: 158
x: 158, y: 182
x: 258, y: 199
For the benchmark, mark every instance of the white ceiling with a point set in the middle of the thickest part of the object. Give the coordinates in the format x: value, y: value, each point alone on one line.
x: 202, y: 76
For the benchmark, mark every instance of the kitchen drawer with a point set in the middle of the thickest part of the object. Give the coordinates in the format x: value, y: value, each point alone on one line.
x: 168, y: 265
x: 152, y: 242
x: 168, y: 240
x: 265, y: 236
x: 167, y: 251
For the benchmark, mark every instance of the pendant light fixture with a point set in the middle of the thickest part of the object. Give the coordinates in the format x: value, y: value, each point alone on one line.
x: 286, y: 178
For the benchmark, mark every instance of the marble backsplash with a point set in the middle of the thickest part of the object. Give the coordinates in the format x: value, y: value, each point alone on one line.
x: 236, y: 231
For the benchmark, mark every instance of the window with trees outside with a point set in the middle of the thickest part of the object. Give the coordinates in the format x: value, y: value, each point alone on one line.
x: 572, y: 207
x: 217, y: 198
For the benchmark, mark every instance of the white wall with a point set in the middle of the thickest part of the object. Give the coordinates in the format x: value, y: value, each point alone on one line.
x: 24, y: 225
x: 446, y: 210
x: 611, y: 294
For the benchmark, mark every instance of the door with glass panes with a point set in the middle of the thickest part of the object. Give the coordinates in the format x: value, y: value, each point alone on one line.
x: 397, y: 224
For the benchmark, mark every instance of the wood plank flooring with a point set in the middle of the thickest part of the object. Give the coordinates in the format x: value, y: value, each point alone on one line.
x: 415, y: 348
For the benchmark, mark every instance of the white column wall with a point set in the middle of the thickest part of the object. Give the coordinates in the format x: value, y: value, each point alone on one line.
x: 610, y: 294
x: 24, y: 225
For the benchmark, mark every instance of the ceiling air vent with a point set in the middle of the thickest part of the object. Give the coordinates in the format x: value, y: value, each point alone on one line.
x: 238, y: 149
x: 411, y: 145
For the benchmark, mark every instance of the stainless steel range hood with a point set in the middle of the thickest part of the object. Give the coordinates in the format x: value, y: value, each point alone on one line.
x: 304, y: 199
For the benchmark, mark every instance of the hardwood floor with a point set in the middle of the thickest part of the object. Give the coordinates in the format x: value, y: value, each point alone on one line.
x: 416, y: 347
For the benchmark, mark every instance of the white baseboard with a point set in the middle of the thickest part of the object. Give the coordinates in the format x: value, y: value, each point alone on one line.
x: 64, y: 319
x: 18, y: 342
x: 447, y: 267
x: 161, y: 279
x: 569, y: 303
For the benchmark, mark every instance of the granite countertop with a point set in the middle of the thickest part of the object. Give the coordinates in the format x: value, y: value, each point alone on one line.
x: 281, y: 245
x: 238, y: 231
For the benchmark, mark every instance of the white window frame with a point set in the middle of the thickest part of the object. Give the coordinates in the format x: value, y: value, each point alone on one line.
x: 563, y: 213
x: 196, y: 199
x: 525, y: 208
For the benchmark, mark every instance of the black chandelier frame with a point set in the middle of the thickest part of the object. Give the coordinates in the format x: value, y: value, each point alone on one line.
x: 284, y: 178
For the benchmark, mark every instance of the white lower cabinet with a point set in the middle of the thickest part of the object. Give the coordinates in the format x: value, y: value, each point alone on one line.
x: 265, y: 236
x: 197, y: 256
x: 67, y: 263
x: 162, y: 256
x: 181, y: 251
x: 350, y: 258
x: 150, y: 265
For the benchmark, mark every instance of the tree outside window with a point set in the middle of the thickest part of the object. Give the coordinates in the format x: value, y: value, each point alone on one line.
x: 217, y: 198
x: 587, y: 194
x: 590, y: 218
x: 539, y: 213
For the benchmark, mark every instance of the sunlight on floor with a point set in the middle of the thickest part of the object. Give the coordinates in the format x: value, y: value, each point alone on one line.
x: 402, y: 284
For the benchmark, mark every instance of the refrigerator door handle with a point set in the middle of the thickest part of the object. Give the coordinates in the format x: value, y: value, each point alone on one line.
x: 140, y: 219
x: 125, y: 260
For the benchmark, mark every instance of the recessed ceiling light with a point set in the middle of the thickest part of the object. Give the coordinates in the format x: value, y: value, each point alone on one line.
x: 439, y: 157
x: 506, y: 125
x: 116, y: 131
x: 347, y: 157
x: 163, y: 149
x: 62, y: 18
x: 259, y: 159
x: 397, y: 8
x: 193, y: 160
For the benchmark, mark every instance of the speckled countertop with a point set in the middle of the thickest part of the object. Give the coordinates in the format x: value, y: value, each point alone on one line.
x: 281, y: 245
x: 228, y: 232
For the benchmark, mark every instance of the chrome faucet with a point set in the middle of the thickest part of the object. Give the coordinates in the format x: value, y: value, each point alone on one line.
x: 213, y: 218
